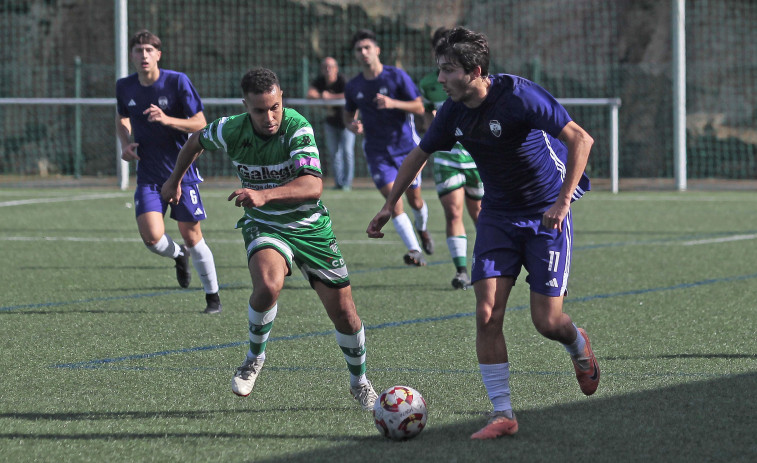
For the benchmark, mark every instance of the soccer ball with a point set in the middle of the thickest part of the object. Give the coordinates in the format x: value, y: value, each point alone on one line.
x: 400, y: 413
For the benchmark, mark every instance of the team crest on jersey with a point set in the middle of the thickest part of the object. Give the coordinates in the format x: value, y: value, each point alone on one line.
x: 163, y: 102
x: 384, y: 91
x: 495, y: 127
x: 306, y: 140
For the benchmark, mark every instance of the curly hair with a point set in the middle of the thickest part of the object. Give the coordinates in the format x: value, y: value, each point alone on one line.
x: 259, y: 81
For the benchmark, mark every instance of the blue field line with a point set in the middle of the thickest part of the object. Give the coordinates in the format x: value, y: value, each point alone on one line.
x: 94, y: 364
x: 42, y: 305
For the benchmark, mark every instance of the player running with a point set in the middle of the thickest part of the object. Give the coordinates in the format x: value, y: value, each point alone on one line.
x: 387, y: 99
x: 276, y: 158
x: 159, y: 108
x: 531, y: 157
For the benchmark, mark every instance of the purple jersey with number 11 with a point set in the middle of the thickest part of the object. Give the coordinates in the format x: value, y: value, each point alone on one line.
x: 159, y: 145
x: 512, y: 136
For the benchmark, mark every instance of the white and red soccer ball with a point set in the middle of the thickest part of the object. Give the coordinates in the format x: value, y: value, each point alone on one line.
x: 400, y: 413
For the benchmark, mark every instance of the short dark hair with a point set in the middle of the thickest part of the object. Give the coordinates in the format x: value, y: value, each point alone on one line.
x: 259, y: 81
x: 363, y: 34
x: 465, y: 47
x: 144, y: 37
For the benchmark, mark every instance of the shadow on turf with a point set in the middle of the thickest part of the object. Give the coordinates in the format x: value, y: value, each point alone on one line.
x: 152, y: 415
x: 683, y: 356
x: 170, y: 435
x: 698, y: 421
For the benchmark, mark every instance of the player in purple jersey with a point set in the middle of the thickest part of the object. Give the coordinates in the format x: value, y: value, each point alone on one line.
x: 157, y: 109
x: 387, y: 100
x: 531, y: 157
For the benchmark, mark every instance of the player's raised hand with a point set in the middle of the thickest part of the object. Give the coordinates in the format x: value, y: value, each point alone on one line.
x: 129, y: 152
x: 378, y: 222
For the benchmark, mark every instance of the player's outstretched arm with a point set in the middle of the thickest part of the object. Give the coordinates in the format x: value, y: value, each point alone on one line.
x: 171, y: 189
x: 407, y: 172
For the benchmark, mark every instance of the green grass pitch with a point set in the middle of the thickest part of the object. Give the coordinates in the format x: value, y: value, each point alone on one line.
x: 105, y: 358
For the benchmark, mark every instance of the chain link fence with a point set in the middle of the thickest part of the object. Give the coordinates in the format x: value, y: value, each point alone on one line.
x: 574, y: 48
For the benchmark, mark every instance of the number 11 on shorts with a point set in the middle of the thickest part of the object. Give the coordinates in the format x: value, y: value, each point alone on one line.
x: 554, y: 259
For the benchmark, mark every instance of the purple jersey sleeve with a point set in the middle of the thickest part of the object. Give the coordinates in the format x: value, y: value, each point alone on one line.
x: 189, y: 99
x: 437, y: 136
x: 540, y: 109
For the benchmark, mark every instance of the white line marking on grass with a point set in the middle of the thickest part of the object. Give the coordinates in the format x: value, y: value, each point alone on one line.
x: 22, y: 202
x: 721, y: 240
x: 69, y: 238
x: 98, y: 239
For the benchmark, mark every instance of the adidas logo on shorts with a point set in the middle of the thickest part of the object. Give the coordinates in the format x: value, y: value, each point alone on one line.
x: 552, y: 283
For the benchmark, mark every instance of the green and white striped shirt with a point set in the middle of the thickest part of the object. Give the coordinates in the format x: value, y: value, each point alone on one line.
x: 268, y: 162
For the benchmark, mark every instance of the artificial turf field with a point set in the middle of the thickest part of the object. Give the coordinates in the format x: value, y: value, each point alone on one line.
x: 105, y: 358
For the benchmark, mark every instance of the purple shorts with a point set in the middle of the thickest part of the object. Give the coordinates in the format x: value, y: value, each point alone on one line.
x: 384, y: 169
x: 505, y: 244
x: 190, y: 209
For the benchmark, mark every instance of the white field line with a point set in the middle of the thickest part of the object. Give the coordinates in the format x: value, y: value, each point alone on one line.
x: 720, y: 240
x: 22, y: 202
x: 81, y: 239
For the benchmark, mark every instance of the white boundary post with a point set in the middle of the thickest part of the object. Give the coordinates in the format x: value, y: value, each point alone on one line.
x: 614, y: 148
x: 122, y: 70
x: 614, y: 104
x: 679, y: 92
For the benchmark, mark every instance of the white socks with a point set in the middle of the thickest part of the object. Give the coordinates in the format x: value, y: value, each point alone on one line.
x: 202, y: 259
x: 497, y: 382
x: 405, y: 230
x: 577, y: 348
x: 166, y: 247
x: 421, y: 217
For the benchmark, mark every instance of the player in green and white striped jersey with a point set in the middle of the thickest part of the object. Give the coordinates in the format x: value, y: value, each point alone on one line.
x: 285, y: 222
x: 456, y: 178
